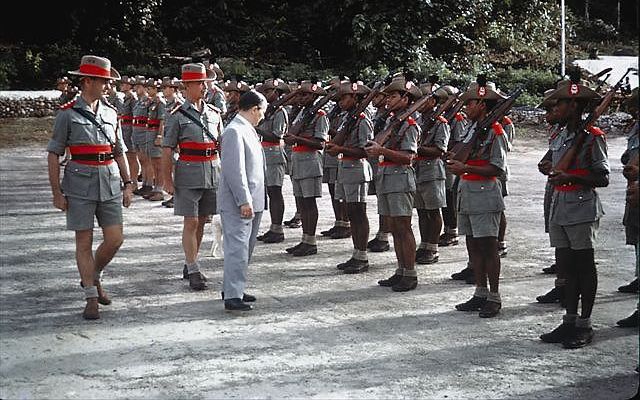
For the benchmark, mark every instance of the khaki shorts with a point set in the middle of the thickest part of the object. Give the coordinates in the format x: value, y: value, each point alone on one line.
x: 330, y: 175
x: 575, y: 237
x: 431, y: 195
x: 396, y: 204
x: 274, y: 175
x: 351, y: 192
x: 126, y: 137
x: 194, y: 202
x: 151, y: 150
x: 307, y: 187
x: 81, y: 212
x: 479, y: 225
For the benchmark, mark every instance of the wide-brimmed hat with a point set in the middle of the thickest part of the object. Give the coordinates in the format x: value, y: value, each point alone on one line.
x: 401, y: 84
x: 195, y: 72
x: 151, y: 83
x: 357, y: 88
x: 444, y: 92
x: 97, y: 67
x: 547, y: 103
x: 571, y: 89
x: 275, y: 83
x: 482, y: 89
x: 127, y: 80
x: 170, y: 82
x: 335, y: 82
x: 311, y: 87
x: 139, y: 80
x: 236, y: 86
x: 215, y: 68
x: 63, y: 79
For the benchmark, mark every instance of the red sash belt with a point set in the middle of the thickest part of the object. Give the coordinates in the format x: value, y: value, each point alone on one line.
x: 476, y: 177
x: 570, y: 187
x: 300, y: 148
x: 153, y: 124
x: 92, y: 154
x: 390, y: 164
x: 198, y: 151
x: 140, y: 121
x: 270, y: 144
x: 126, y: 120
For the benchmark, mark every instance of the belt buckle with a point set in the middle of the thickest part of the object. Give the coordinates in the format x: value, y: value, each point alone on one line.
x: 102, y: 157
x: 207, y: 152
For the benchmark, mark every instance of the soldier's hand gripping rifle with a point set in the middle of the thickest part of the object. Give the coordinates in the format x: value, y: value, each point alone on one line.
x: 343, y: 133
x: 434, y: 117
x: 462, y: 150
x: 296, y: 129
x: 570, y: 155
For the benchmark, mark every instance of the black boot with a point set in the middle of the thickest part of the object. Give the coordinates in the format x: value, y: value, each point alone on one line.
x: 290, y: 250
x: 356, y: 267
x: 550, y: 270
x: 630, y: 288
x: 490, y: 309
x: 473, y: 304
x: 196, y: 282
x: 580, y: 338
x: 272, y: 237
x: 560, y: 334
x: 447, y: 239
x: 378, y: 246
x: 462, y: 275
x: 389, y: 282
x: 305, y: 249
x: 185, y: 273
x: 405, y: 284
x: 553, y: 296
x: 341, y: 232
x: 630, y: 322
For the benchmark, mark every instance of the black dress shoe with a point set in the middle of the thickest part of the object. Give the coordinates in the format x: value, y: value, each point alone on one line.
x: 552, y: 269
x: 356, y: 267
x: 630, y: 288
x: 558, y: 335
x: 290, y: 250
x: 473, y: 304
x: 389, y: 282
x: 490, y: 309
x: 448, y: 240
x: 630, y: 322
x: 427, y: 257
x: 236, y: 305
x: 405, y: 283
x: 272, y: 237
x: 305, y: 250
x: 247, y: 298
x: 580, y: 338
x: 196, y: 282
x: 470, y: 279
x: 341, y: 232
x: 553, y: 296
x: 185, y: 273
x: 462, y: 275
x: 329, y: 231
x: 378, y: 246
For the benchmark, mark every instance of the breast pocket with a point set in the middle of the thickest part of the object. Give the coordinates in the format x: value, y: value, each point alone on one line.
x: 77, y: 180
x: 81, y: 129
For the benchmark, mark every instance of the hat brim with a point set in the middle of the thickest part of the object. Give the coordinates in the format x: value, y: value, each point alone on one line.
x: 490, y: 95
x: 115, y: 75
x: 584, y: 93
x: 195, y: 80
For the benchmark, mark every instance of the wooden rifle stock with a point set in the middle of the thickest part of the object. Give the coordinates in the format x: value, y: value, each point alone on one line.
x: 570, y: 155
x: 271, y: 109
x: 297, y: 128
x: 434, y: 116
x: 462, y: 150
x: 451, y: 113
x: 345, y: 131
x: 382, y: 137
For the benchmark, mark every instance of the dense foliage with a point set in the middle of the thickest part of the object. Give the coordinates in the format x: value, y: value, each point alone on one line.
x: 511, y: 40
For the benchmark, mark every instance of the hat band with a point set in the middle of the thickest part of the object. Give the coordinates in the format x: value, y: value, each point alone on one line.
x: 91, y: 69
x: 194, y: 76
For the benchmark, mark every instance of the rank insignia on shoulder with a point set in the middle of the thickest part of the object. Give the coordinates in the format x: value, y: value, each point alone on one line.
x: 507, y: 121
x: 176, y: 108
x: 595, y: 131
x: 322, y: 113
x: 459, y: 117
x: 214, y: 108
x: 68, y: 105
x: 363, y: 115
x: 442, y: 119
x: 497, y: 128
x: 411, y: 121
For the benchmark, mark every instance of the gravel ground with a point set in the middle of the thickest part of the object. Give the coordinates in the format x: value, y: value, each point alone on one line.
x: 314, y: 333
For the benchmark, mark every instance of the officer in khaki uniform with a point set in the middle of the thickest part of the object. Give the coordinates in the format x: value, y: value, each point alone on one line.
x: 396, y: 181
x: 306, y: 168
x: 139, y: 134
x: 449, y: 237
x: 215, y: 94
x: 430, y: 173
x: 232, y: 91
x: 272, y: 130
x: 480, y: 201
x: 194, y: 127
x: 172, y: 98
x: 576, y: 210
x: 125, y: 114
x: 354, y: 171
x: 341, y: 227
x: 91, y: 186
x: 155, y: 132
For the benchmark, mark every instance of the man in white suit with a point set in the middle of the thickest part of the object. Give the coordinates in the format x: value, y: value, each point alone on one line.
x: 241, y: 196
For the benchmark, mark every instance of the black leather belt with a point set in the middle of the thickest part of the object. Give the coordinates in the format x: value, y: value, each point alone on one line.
x: 195, y: 152
x: 100, y: 157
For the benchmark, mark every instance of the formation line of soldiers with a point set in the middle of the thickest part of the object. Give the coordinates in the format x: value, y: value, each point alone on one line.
x: 424, y: 146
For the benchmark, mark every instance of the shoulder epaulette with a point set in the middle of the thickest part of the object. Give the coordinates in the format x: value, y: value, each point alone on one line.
x: 497, y: 128
x: 68, y: 105
x: 322, y: 112
x: 459, y: 117
x: 214, y: 108
x: 507, y: 121
x: 363, y: 115
x: 411, y: 121
x: 595, y: 131
x: 176, y: 108
x: 442, y: 119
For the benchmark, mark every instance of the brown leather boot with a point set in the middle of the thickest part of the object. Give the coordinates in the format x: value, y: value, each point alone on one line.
x: 91, y: 309
x: 102, y: 295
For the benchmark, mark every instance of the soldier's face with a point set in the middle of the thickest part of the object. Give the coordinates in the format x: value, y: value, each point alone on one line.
x: 562, y: 110
x: 379, y: 100
x: 94, y: 87
x: 474, y: 109
x: 347, y: 102
x: 397, y: 101
x: 195, y: 90
x: 140, y: 90
x: 168, y: 91
x: 125, y: 87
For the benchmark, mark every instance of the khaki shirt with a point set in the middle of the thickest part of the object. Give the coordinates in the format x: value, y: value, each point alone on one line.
x: 99, y: 182
x: 140, y: 110
x: 179, y: 128
x: 357, y: 171
x: 277, y: 125
x: 399, y: 178
x: 337, y: 118
x: 438, y: 136
x: 582, y: 205
x: 308, y: 164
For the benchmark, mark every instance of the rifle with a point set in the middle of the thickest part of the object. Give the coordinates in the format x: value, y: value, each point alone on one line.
x: 271, y: 109
x: 462, y: 150
x: 570, y: 155
x: 434, y: 116
x: 297, y: 128
x: 451, y: 113
x: 382, y: 137
x: 344, y: 133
